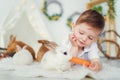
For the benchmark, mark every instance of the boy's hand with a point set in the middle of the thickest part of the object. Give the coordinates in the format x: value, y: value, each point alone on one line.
x: 74, y: 47
x: 95, y: 66
x: 73, y: 39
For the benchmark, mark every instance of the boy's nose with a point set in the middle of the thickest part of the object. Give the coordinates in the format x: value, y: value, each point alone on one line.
x: 85, y: 38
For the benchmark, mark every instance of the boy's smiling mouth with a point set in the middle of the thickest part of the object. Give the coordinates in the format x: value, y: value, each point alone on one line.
x: 81, y: 43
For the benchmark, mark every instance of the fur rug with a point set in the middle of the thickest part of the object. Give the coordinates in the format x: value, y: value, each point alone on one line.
x: 109, y: 72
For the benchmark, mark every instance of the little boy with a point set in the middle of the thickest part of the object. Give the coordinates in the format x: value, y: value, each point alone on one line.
x: 84, y: 35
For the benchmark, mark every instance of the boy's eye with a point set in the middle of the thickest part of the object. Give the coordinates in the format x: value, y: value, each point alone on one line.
x: 81, y: 32
x: 91, y: 38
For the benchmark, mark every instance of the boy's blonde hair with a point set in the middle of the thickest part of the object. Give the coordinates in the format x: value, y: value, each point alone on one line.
x: 92, y: 18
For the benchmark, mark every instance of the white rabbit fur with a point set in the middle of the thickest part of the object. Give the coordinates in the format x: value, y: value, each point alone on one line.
x: 22, y: 57
x: 57, y: 59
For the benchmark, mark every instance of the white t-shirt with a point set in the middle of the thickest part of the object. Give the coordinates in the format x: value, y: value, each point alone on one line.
x: 89, y: 53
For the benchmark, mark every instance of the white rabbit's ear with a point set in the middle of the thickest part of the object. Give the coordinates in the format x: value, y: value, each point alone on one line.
x: 55, y: 50
x: 58, y: 48
x: 62, y: 48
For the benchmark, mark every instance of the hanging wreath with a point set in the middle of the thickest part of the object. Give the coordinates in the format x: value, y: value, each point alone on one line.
x: 70, y: 18
x: 104, y: 52
x: 100, y: 42
x: 54, y: 16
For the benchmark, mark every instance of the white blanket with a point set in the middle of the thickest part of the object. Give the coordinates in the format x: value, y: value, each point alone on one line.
x: 78, y: 72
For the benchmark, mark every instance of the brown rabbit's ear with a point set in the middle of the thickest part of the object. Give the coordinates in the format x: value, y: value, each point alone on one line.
x: 48, y: 44
x: 43, y: 41
x: 51, y: 45
x: 12, y: 38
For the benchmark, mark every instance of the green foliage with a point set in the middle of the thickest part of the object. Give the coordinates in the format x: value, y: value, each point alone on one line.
x: 111, y: 10
x: 98, y: 9
x: 69, y: 22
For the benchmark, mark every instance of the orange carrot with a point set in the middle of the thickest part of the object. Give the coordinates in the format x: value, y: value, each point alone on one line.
x: 80, y: 61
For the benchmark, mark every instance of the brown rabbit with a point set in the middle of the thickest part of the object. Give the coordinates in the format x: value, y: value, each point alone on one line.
x: 12, y: 47
x: 46, y: 46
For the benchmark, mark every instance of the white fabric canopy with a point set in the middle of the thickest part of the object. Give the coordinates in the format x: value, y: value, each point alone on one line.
x: 21, y: 11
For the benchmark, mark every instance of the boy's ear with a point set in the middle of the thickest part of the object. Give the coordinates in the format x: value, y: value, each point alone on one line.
x: 97, y: 38
x: 73, y: 26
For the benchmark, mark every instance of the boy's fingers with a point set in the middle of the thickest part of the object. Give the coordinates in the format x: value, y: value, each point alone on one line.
x: 95, y: 67
x: 73, y: 36
x: 92, y: 66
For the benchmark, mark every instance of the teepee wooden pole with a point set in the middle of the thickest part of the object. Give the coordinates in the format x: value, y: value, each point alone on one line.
x: 115, y: 36
x: 108, y: 36
x: 93, y: 3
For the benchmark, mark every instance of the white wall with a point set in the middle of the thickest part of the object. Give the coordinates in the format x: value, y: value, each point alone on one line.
x: 58, y: 29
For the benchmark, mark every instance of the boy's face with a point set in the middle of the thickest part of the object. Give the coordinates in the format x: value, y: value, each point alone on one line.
x: 85, y: 34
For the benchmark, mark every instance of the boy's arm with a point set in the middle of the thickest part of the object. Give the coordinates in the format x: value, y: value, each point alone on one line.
x: 74, y: 51
x: 96, y: 64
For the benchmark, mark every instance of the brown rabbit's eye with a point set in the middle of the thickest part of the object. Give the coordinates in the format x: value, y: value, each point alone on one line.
x: 65, y: 53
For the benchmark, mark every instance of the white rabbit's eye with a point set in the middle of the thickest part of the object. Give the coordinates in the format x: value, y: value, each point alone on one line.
x: 65, y: 53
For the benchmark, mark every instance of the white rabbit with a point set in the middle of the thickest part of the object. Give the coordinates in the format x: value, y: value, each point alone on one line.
x: 22, y: 57
x: 57, y: 59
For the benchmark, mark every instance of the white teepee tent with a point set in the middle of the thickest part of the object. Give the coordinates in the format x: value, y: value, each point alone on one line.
x: 24, y: 21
